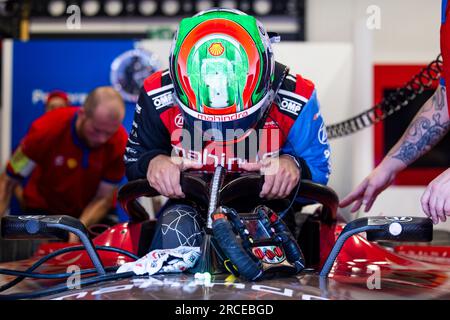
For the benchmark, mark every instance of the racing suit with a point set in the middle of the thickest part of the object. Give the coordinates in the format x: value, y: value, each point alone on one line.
x: 294, y: 122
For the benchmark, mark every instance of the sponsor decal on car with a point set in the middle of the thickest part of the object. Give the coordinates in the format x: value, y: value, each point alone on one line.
x: 188, y: 286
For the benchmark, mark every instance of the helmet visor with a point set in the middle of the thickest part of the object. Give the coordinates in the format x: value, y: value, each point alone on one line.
x: 218, y: 68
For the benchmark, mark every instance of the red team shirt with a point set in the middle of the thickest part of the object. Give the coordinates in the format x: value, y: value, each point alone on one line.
x: 64, y: 173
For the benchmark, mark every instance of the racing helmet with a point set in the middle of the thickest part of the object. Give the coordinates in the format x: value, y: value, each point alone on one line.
x: 222, y: 68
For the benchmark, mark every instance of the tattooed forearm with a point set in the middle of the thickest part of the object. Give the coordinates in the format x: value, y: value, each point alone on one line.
x: 425, y: 131
x: 439, y: 99
x: 428, y: 133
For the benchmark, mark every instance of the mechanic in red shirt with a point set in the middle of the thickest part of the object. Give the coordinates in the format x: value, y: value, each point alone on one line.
x: 73, y: 158
x: 428, y: 127
x: 55, y: 99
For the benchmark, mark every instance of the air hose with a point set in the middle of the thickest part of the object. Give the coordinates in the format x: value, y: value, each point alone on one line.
x: 393, y: 103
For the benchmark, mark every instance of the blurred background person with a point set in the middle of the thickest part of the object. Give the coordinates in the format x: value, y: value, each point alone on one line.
x: 56, y: 99
x: 73, y: 158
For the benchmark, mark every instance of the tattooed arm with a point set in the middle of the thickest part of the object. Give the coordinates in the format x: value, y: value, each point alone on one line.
x: 427, y: 128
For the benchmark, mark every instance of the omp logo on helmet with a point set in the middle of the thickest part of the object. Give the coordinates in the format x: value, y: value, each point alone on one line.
x: 216, y: 49
x: 163, y: 100
x: 179, y: 120
x: 290, y: 106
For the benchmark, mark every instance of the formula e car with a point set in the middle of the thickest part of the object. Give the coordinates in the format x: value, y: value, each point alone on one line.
x: 362, y: 259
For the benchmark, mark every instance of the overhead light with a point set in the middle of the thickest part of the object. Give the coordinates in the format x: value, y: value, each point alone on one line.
x: 203, y: 5
x: 170, y: 7
x: 113, y: 7
x: 148, y: 7
x: 230, y: 4
x: 262, y: 7
x: 90, y: 8
x: 56, y: 8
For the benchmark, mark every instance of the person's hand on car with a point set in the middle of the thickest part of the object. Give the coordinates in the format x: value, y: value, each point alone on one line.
x: 368, y: 190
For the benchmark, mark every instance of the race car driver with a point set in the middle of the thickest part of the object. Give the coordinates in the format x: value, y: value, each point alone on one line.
x: 222, y: 86
x: 428, y: 127
x: 73, y: 159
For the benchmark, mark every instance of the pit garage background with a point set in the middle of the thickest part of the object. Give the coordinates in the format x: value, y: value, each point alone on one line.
x: 334, y: 43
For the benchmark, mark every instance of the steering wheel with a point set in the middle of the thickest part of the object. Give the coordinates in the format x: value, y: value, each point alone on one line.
x: 195, y: 187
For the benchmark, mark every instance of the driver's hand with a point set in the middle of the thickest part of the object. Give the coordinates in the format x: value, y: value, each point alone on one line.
x: 281, y: 175
x: 163, y: 174
x: 368, y: 190
x: 436, y: 198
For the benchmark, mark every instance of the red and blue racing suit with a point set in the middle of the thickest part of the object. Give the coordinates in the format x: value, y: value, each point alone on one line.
x: 294, y: 122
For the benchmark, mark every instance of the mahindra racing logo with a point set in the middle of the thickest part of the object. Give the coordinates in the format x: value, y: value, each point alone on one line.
x: 163, y: 100
x: 222, y: 118
x: 207, y: 158
x: 290, y: 106
x: 179, y: 120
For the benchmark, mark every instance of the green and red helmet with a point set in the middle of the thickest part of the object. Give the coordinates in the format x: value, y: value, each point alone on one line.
x: 222, y: 68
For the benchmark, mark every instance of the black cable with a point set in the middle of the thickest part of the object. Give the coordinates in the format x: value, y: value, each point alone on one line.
x: 393, y: 103
x: 64, y: 287
x: 283, y: 213
x: 50, y: 276
x: 57, y: 253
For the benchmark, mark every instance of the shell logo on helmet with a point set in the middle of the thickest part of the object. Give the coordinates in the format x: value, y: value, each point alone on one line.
x: 216, y: 49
